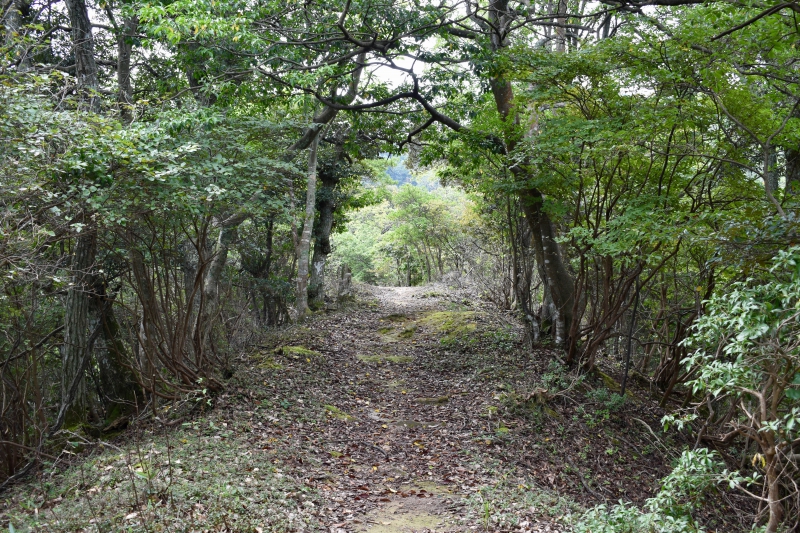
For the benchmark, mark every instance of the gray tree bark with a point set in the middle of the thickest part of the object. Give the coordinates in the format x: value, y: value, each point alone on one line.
x: 303, y: 247
x: 12, y: 22
x: 148, y: 335
x: 83, y: 49
x: 117, y: 383
x: 792, y: 171
x: 76, y: 326
x: 322, y: 237
x: 124, y: 85
x: 76, y: 317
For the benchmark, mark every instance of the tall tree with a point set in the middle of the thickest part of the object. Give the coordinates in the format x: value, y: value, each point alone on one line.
x: 76, y: 327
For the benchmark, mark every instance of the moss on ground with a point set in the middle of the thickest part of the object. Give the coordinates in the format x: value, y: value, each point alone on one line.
x: 398, y: 359
x: 451, y: 324
x: 439, y: 400
x: 297, y: 351
x: 337, y: 413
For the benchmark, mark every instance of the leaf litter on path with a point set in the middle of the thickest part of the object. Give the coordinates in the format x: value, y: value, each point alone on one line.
x: 433, y: 433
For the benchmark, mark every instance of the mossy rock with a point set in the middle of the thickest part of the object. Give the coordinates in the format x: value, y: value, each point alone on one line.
x: 385, y: 330
x: 452, y: 324
x: 337, y: 413
x: 610, y: 383
x: 297, y: 352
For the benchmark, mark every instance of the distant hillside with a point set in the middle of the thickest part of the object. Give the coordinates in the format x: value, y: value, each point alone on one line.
x: 401, y: 175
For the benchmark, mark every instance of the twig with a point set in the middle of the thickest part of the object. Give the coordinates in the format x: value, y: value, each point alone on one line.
x: 666, y: 450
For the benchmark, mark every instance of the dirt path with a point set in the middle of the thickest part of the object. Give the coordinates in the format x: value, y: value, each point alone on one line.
x: 411, y: 409
x: 407, y: 432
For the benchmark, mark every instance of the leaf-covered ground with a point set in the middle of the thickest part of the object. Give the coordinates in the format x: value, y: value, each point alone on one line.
x: 412, y: 409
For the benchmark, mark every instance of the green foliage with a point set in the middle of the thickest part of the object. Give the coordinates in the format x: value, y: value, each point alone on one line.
x: 750, y: 333
x: 669, y: 511
x: 410, y: 236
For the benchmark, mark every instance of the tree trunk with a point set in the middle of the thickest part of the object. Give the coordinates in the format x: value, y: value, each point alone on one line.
x: 792, y: 172
x: 228, y: 235
x: 301, y: 294
x: 13, y: 22
x: 76, y: 326
x: 118, y: 385
x: 76, y: 335
x: 559, y: 281
x: 322, y: 238
x: 316, y: 283
x: 83, y: 50
x: 124, y: 49
x: 148, y: 337
x: 773, y: 488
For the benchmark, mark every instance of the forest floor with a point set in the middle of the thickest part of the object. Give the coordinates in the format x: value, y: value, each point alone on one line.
x: 411, y: 409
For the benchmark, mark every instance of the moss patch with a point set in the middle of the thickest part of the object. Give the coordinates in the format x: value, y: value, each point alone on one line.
x: 452, y: 324
x: 399, y: 359
x: 397, y: 518
x: 297, y: 352
x: 337, y: 413
x: 439, y: 400
x: 370, y: 358
x: 612, y: 384
x: 407, y: 333
x: 269, y: 363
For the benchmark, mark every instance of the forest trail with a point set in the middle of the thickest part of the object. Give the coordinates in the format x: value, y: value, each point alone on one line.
x: 407, y: 431
x: 410, y: 409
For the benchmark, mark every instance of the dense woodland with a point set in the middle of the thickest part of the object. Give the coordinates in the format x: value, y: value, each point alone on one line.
x: 622, y: 175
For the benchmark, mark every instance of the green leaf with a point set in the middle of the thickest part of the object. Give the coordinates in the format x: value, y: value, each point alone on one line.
x: 793, y: 394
